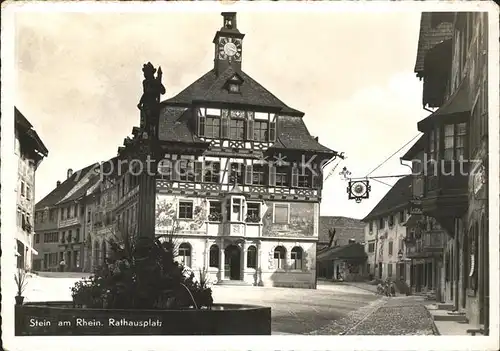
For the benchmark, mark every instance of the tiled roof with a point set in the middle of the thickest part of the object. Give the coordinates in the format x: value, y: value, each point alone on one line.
x: 350, y: 251
x: 63, y: 189
x: 431, y: 35
x: 345, y: 228
x: 458, y: 103
x: 396, y: 198
x: 293, y: 134
x: 174, y: 125
x: 417, y: 147
x: 24, y: 126
x: 211, y: 87
x: 82, y: 191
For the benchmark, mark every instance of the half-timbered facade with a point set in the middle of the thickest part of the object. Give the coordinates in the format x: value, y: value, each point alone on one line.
x: 239, y: 180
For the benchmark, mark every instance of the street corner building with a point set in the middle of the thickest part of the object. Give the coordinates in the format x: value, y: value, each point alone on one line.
x: 236, y: 180
x: 444, y: 238
x: 30, y: 152
x: 455, y: 143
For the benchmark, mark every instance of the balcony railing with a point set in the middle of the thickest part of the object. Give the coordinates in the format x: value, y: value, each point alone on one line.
x: 430, y: 242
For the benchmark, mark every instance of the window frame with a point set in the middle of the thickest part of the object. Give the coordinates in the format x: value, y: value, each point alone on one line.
x: 214, y: 256
x: 182, y: 203
x: 280, y: 261
x: 181, y: 250
x: 251, y: 257
x: 254, y: 217
x: 297, y: 256
x: 214, y: 216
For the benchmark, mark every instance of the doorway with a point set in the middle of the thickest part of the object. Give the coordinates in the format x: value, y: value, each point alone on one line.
x: 232, y: 263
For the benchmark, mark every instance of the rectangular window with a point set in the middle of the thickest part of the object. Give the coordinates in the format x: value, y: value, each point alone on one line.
x: 236, y: 211
x: 258, y: 174
x: 215, y: 213
x: 37, y: 238
x: 253, y: 212
x: 402, y: 217
x: 381, y: 223
x: 449, y: 138
x: 77, y: 237
x: 28, y: 193
x: 211, y: 172
x: 186, y: 170
x: 304, y: 178
x: 391, y: 244
x: 282, y: 176
x: 260, y: 131
x: 371, y: 247
x: 89, y: 216
x: 370, y: 226
x: 281, y: 214
x: 237, y: 129
x: 212, y: 127
x: 389, y: 269
x: 391, y: 221
x: 237, y: 173
x: 185, y: 210
x: 461, y: 134
x: 22, y: 189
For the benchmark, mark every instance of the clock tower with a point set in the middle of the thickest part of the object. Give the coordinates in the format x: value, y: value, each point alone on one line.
x: 228, y: 44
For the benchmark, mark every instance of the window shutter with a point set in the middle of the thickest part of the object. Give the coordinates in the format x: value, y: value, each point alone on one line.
x: 176, y: 164
x: 248, y: 174
x: 295, y: 176
x: 224, y: 128
x: 198, y: 171
x: 250, y: 128
x: 315, y: 181
x: 272, y: 131
x: 272, y: 175
x: 201, y: 125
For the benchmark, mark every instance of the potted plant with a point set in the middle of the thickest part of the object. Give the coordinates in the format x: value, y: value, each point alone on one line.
x: 21, y: 282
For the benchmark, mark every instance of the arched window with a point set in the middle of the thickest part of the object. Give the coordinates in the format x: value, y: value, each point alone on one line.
x: 214, y: 256
x: 252, y: 257
x: 104, y: 252
x: 279, y: 257
x: 297, y: 257
x: 185, y: 254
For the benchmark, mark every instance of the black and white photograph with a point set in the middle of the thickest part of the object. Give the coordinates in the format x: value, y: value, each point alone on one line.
x: 172, y: 171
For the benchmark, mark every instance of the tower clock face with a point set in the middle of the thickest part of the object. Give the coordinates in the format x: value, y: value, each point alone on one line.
x: 229, y: 48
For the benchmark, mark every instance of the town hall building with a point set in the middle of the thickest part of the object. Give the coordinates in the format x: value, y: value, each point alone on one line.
x: 239, y: 183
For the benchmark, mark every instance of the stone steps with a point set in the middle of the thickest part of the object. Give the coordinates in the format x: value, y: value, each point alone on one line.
x: 444, y: 315
x: 229, y: 282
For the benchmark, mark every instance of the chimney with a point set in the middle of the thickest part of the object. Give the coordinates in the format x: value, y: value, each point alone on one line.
x: 70, y: 172
x: 58, y: 182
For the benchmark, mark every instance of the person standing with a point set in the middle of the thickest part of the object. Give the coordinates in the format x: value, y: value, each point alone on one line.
x: 62, y: 264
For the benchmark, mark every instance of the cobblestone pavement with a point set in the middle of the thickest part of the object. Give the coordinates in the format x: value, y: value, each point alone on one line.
x: 397, y: 316
x: 300, y: 311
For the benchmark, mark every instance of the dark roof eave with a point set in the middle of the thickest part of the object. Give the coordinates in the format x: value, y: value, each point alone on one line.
x: 328, y: 152
x: 393, y: 209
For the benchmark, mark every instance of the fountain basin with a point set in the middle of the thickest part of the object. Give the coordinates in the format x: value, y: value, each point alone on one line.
x: 61, y: 318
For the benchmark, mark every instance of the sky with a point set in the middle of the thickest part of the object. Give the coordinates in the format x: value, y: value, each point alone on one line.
x: 79, y: 79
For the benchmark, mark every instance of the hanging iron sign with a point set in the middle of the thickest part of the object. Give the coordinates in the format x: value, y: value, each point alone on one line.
x: 358, y: 190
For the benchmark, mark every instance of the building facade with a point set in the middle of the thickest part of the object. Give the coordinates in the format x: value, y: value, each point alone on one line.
x: 30, y: 152
x: 385, y: 234
x: 425, y: 237
x: 60, y: 222
x: 452, y: 62
x: 239, y: 185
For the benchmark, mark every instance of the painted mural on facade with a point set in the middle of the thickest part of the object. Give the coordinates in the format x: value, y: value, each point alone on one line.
x: 166, y: 215
x: 301, y: 221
